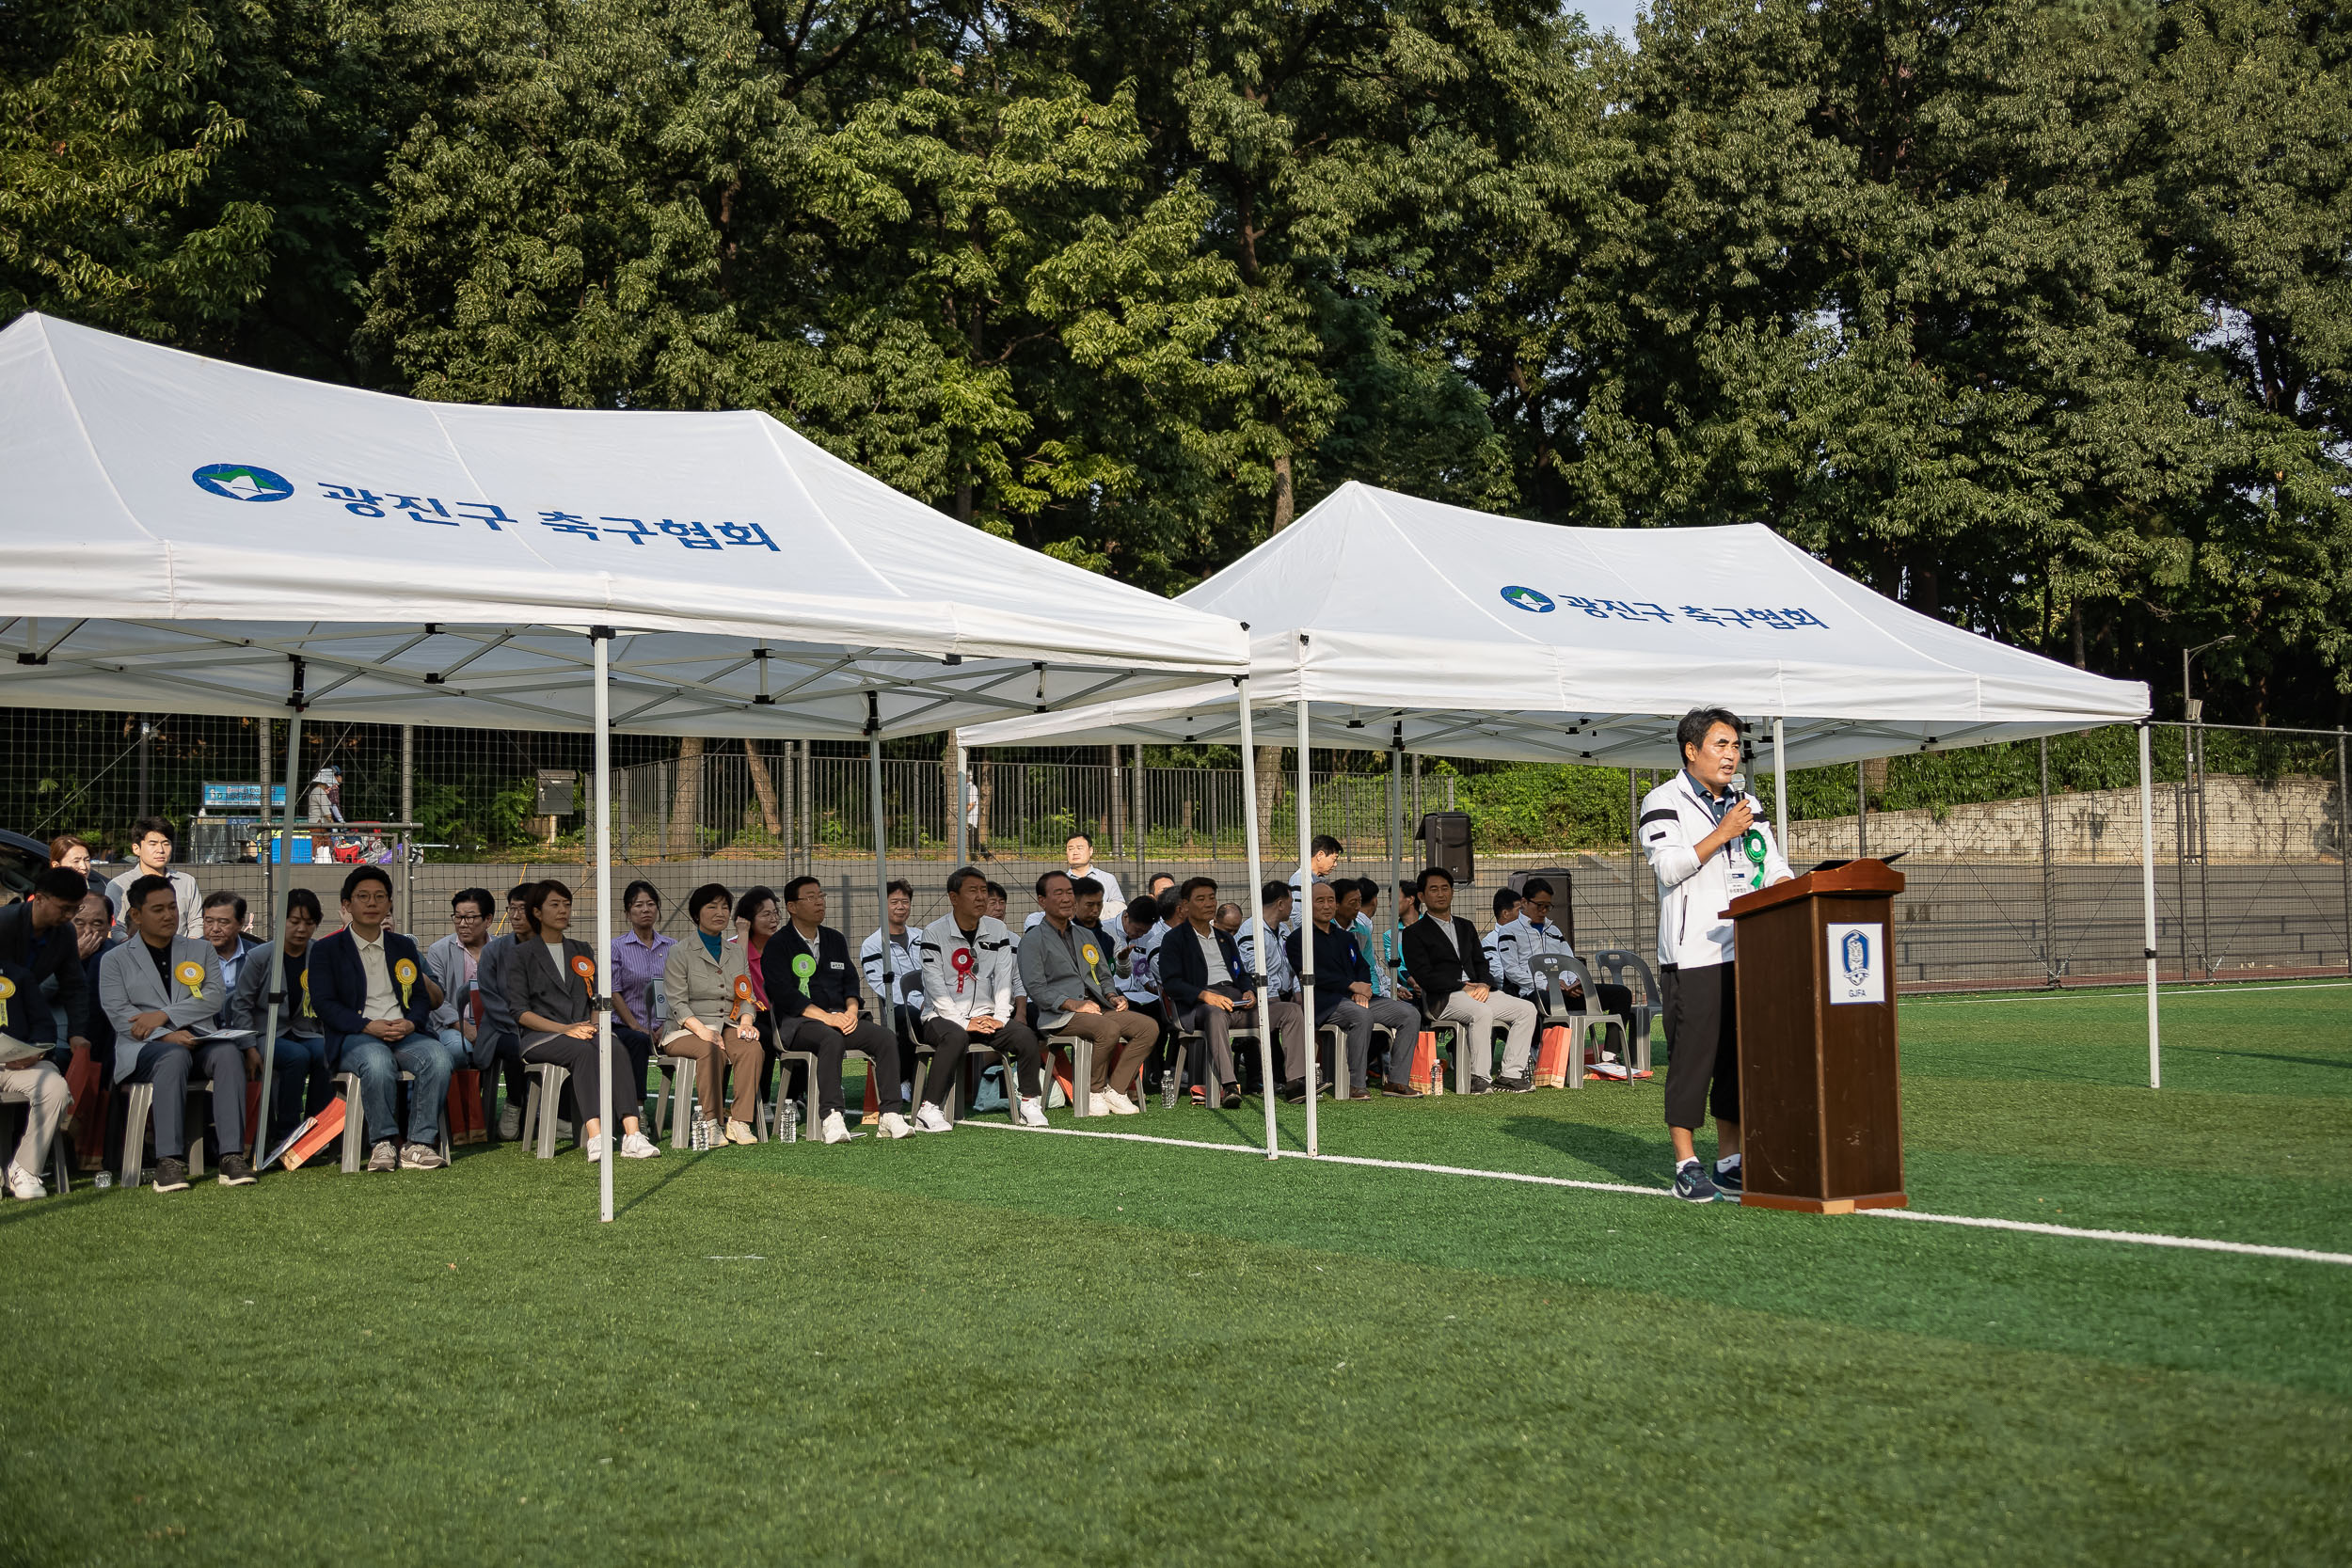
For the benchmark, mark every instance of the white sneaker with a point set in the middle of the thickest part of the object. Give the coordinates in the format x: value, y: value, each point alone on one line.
x: 929, y: 1119
x: 737, y: 1132
x: 510, y: 1122
x: 25, y: 1186
x: 1117, y: 1103
x: 837, y: 1127
x: 636, y: 1146
x: 595, y: 1148
x: 894, y: 1126
x: 1032, y: 1111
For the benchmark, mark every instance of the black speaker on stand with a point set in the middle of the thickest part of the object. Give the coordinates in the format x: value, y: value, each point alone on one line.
x: 1448, y: 835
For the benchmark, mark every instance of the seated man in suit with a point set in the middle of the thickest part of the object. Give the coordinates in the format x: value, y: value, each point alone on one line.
x: 1065, y: 969
x: 158, y: 989
x: 1209, y: 990
x: 1443, y: 953
x: 813, y: 994
x: 366, y: 984
x: 224, y: 927
x: 1343, y: 995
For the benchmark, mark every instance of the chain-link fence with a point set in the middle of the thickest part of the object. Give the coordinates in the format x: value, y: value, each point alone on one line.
x: 2023, y: 861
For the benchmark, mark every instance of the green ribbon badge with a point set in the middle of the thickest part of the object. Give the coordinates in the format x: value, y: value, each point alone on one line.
x: 1752, y: 842
x: 803, y: 966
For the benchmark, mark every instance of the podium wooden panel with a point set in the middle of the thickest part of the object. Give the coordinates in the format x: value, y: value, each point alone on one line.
x: 1821, y: 1110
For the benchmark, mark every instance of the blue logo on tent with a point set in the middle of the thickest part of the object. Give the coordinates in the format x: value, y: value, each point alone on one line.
x: 1854, y: 952
x: 240, y: 482
x: 1527, y: 599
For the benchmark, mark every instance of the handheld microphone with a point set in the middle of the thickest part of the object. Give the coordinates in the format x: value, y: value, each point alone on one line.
x: 1739, y: 785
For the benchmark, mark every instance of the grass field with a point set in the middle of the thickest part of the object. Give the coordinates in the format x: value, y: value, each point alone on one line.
x: 1009, y: 1347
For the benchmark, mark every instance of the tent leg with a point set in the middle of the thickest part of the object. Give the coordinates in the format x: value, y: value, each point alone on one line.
x: 1306, y: 923
x: 277, y: 923
x: 1780, y: 784
x: 2147, y: 904
x: 888, y: 1001
x: 1257, y: 878
x: 599, y: 636
x: 1396, y: 850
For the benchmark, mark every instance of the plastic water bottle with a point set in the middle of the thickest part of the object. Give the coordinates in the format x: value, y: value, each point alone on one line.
x: 789, y: 1122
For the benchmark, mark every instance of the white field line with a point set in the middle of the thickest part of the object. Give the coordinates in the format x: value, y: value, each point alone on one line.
x: 2121, y: 993
x: 2138, y: 1237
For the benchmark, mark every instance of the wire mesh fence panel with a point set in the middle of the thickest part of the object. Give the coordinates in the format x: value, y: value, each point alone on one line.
x: 2023, y: 862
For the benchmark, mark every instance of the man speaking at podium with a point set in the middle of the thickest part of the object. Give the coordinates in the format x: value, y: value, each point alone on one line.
x: 1707, y: 844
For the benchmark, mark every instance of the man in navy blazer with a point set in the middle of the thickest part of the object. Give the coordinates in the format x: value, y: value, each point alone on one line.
x: 367, y: 985
x: 1218, y: 996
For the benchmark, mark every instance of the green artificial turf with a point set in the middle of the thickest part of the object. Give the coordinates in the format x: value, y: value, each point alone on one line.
x: 1017, y: 1348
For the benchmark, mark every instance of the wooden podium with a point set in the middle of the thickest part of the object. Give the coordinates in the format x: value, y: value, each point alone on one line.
x: 1820, y: 1112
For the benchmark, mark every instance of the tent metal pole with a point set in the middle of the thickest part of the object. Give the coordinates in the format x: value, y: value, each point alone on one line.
x: 1257, y: 874
x: 599, y: 636
x: 2148, y: 905
x: 889, y: 998
x: 956, y: 789
x: 1304, y: 919
x: 1396, y: 850
x: 278, y: 918
x: 1141, y: 801
x: 271, y: 919
x: 1780, y: 782
x: 407, y: 814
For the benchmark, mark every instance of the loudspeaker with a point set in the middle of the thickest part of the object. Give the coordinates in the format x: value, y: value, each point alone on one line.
x: 1448, y: 835
x: 1562, y: 886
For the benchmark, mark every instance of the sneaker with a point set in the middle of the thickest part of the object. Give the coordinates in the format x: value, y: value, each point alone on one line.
x: 929, y: 1119
x: 1692, y: 1185
x: 1117, y: 1103
x: 171, y: 1175
x: 837, y: 1127
x: 1032, y: 1111
x: 383, y: 1156
x: 741, y: 1132
x: 1480, y: 1086
x: 1233, y: 1097
x: 510, y: 1122
x: 419, y: 1157
x: 595, y: 1149
x: 1515, y: 1085
x: 1294, y: 1092
x: 25, y: 1186
x: 234, y: 1171
x: 636, y: 1146
x: 1730, y: 1181
x: 894, y: 1126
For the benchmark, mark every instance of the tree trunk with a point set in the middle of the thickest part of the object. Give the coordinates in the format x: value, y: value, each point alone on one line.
x: 951, y: 787
x: 764, y: 785
x: 1285, y: 497
x: 1269, y: 794
x: 985, y: 777
x: 686, y: 800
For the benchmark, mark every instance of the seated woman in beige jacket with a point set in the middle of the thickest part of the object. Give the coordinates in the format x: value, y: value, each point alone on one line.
x: 715, y: 1015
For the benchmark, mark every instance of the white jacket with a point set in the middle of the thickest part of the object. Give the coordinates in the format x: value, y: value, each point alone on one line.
x: 986, y: 986
x: 1517, y: 944
x: 1692, y: 930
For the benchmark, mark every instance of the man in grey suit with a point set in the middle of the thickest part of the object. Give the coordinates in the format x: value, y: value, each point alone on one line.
x: 156, y: 989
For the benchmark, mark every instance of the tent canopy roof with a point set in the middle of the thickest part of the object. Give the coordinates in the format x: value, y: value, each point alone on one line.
x: 1472, y: 635
x: 179, y: 531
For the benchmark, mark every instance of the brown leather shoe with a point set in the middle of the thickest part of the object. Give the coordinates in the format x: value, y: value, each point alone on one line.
x: 1401, y: 1091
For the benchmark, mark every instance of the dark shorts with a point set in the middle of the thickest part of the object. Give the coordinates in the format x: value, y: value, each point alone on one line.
x: 1701, y: 1045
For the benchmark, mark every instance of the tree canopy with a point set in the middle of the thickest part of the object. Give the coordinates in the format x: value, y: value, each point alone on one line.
x: 2036, y: 316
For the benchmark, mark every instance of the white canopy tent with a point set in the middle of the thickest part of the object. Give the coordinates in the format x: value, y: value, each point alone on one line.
x: 192, y: 537
x: 1384, y: 620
